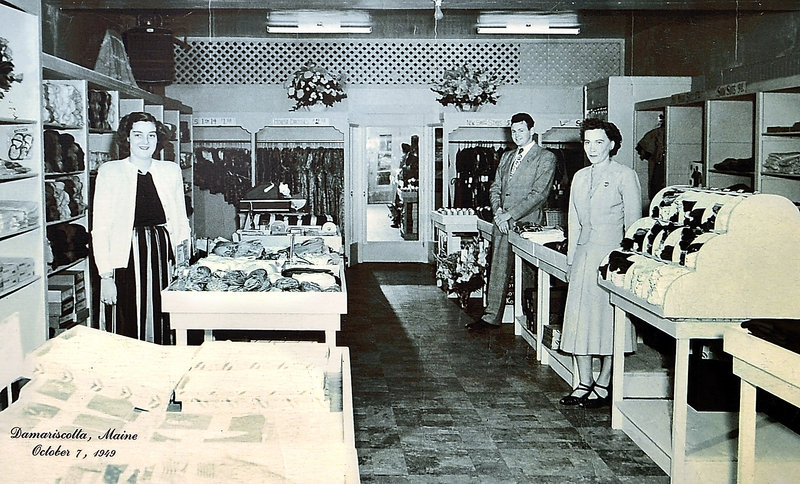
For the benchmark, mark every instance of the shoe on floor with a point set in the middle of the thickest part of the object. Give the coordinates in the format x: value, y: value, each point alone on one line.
x: 480, y: 324
x: 598, y: 402
x: 572, y: 400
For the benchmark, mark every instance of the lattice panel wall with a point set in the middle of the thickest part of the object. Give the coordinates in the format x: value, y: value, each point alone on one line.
x: 392, y: 62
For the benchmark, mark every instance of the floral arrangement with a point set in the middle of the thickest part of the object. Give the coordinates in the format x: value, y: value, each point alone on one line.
x: 7, y: 75
x: 462, y: 272
x: 313, y: 85
x: 467, y: 88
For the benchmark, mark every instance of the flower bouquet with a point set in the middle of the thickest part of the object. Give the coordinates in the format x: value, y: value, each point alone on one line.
x: 312, y: 85
x: 462, y: 272
x: 467, y: 88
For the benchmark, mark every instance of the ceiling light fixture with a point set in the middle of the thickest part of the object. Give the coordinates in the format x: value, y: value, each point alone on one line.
x: 318, y: 22
x: 528, y: 23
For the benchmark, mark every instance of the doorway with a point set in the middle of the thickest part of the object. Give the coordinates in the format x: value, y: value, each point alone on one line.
x: 392, y: 191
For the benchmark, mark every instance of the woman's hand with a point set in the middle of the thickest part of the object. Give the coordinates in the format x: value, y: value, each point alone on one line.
x: 108, y: 291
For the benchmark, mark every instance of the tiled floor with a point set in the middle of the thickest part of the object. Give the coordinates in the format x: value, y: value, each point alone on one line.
x: 437, y: 404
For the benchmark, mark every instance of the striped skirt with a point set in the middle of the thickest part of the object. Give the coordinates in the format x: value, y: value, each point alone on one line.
x: 137, y: 313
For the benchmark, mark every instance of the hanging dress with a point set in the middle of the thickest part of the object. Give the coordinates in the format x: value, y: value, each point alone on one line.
x: 137, y: 313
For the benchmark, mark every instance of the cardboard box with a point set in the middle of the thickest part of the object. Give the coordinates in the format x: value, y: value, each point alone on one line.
x: 60, y: 299
x: 74, y: 277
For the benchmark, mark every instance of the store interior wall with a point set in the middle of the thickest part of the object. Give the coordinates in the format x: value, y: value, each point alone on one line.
x: 656, y: 43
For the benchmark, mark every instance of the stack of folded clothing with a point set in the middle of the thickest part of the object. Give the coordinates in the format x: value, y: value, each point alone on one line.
x: 17, y: 215
x: 69, y: 242
x: 736, y: 164
x: 788, y: 163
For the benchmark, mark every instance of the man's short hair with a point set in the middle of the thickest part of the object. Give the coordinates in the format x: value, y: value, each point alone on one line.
x: 520, y: 117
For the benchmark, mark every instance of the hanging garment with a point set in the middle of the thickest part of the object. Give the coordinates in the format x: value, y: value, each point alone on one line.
x: 652, y: 148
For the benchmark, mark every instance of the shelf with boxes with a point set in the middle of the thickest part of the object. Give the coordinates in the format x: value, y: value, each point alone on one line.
x: 65, y: 116
x: 22, y: 286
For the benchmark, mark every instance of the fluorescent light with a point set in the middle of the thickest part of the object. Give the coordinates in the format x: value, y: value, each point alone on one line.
x: 319, y: 22
x: 528, y: 23
x: 530, y: 30
x: 318, y: 29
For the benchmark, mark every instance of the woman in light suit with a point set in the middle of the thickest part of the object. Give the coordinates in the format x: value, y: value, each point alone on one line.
x: 139, y: 222
x: 605, y: 199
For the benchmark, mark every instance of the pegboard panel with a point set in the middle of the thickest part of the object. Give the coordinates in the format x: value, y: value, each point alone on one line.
x: 396, y: 61
x: 571, y: 62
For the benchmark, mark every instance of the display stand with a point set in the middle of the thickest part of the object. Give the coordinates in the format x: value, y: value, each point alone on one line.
x: 477, y: 129
x: 291, y: 311
x: 448, y: 232
x: 773, y: 450
x: 705, y: 261
x: 690, y: 446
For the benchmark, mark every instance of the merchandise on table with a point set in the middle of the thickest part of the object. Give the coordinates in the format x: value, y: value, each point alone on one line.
x: 307, y: 266
x: 712, y: 254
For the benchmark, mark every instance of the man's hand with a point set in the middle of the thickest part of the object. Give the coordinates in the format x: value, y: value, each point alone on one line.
x: 502, y: 220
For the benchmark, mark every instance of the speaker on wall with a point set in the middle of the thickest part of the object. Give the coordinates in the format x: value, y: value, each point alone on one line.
x: 150, y: 51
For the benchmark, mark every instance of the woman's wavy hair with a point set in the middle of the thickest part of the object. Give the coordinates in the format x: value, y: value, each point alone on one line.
x: 124, y: 132
x: 610, y: 128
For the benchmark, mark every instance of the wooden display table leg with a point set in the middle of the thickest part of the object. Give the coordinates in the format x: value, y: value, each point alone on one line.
x: 180, y: 337
x: 679, y: 409
x: 519, y: 314
x: 542, y: 308
x: 330, y: 337
x: 746, y: 471
x: 618, y: 365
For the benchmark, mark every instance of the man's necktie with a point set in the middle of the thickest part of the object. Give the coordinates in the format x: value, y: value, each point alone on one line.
x: 517, y: 160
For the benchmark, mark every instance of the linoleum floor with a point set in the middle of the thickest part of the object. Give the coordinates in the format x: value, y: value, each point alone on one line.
x: 434, y: 403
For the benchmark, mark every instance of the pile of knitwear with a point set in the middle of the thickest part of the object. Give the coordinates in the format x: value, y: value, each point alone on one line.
x: 62, y: 105
x: 787, y: 163
x: 68, y: 243
x: 64, y: 198
x: 102, y: 111
x: 248, y: 266
x: 61, y: 153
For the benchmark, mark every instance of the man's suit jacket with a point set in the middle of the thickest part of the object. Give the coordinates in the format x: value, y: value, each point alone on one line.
x: 524, y: 194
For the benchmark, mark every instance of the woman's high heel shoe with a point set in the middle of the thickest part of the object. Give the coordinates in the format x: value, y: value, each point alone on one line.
x: 598, y: 402
x: 571, y: 400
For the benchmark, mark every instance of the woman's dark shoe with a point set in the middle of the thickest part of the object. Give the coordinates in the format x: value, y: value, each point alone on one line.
x: 598, y: 402
x: 572, y: 400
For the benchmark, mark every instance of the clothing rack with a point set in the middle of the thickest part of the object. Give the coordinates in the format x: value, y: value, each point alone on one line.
x: 207, y: 143
x: 480, y: 143
x: 280, y: 144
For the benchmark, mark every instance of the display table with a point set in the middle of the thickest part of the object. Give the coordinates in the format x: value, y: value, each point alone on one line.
x: 774, y: 450
x: 224, y: 411
x: 547, y: 263
x: 690, y: 446
x: 448, y: 230
x: 219, y: 310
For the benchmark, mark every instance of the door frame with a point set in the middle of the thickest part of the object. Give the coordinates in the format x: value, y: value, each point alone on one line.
x: 359, y: 248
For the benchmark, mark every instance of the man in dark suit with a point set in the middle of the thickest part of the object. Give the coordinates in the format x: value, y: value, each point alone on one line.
x: 520, y: 189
